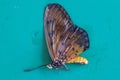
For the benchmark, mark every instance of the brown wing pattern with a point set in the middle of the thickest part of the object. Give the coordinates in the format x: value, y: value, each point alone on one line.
x: 64, y: 39
x: 56, y: 22
x: 77, y: 43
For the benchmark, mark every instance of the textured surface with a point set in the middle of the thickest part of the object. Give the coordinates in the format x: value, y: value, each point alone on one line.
x: 22, y: 43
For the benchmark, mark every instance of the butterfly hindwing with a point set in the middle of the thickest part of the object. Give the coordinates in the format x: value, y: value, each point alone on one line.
x: 79, y: 42
x: 75, y: 42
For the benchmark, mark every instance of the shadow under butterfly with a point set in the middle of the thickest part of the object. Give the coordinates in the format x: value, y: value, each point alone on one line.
x: 65, y: 40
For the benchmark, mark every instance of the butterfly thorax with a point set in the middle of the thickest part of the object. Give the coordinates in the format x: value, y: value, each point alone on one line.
x: 55, y: 64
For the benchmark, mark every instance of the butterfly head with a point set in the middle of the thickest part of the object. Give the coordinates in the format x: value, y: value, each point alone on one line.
x: 49, y: 66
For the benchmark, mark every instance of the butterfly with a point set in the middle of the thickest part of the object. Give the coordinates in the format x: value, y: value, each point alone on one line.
x: 65, y: 40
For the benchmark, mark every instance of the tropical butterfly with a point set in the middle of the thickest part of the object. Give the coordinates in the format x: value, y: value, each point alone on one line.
x: 65, y: 40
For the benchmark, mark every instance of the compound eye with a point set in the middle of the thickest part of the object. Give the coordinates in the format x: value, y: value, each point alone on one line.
x: 55, y: 64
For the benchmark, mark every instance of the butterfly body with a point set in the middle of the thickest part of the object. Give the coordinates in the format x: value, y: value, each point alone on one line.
x: 55, y: 64
x: 58, y: 64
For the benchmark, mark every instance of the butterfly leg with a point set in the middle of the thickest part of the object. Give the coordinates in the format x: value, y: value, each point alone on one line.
x: 78, y: 59
x: 64, y: 65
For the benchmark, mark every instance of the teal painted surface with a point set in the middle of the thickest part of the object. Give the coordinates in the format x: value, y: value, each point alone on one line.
x: 22, y: 43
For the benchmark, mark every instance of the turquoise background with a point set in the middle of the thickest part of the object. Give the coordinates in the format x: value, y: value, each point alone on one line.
x: 22, y: 42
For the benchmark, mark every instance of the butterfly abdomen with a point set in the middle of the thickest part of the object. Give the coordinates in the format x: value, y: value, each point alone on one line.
x: 78, y: 59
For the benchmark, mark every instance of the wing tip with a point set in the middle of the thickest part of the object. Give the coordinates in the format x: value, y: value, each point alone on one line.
x: 50, y: 5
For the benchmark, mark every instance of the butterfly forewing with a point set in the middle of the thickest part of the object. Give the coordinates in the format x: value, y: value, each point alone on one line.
x: 64, y: 39
x: 56, y: 23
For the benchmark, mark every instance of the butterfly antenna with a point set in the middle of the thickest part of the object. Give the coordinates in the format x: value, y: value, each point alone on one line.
x: 28, y: 70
